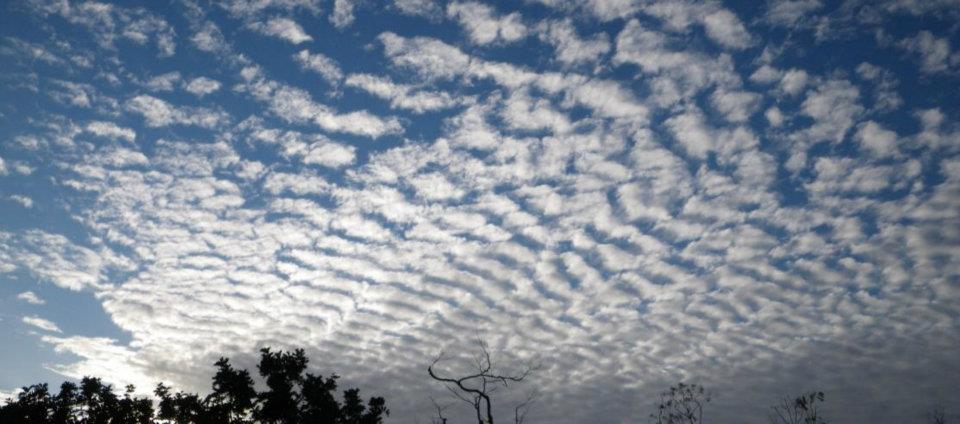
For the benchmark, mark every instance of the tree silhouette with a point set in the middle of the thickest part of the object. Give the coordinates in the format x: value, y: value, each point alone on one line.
x: 476, y: 388
x: 233, y: 394
x: 229, y: 403
x: 91, y: 403
x: 804, y: 409
x: 681, y: 404
x: 182, y: 408
x: 291, y: 397
x: 282, y: 372
x: 440, y: 419
x: 937, y: 416
x: 33, y: 404
x: 320, y: 405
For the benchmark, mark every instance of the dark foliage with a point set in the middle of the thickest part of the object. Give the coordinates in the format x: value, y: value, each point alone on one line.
x: 91, y: 403
x: 291, y: 397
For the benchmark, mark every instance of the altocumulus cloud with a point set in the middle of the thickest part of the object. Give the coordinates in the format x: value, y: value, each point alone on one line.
x: 42, y: 324
x: 636, y: 193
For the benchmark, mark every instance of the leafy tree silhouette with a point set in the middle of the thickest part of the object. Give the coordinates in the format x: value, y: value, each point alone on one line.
x: 320, y: 405
x: 229, y: 403
x: 282, y: 372
x: 291, y: 397
x: 91, y: 403
x: 233, y: 394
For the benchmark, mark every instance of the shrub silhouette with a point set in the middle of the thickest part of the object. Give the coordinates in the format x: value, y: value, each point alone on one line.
x: 291, y: 397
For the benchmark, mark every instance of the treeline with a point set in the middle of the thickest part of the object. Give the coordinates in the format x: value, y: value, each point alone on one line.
x: 291, y: 397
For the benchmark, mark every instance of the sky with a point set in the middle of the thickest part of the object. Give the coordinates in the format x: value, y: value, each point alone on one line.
x: 759, y: 197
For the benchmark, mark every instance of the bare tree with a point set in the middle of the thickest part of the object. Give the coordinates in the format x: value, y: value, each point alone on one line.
x: 521, y: 409
x: 804, y: 409
x: 477, y: 387
x: 937, y: 415
x: 440, y: 419
x: 682, y: 404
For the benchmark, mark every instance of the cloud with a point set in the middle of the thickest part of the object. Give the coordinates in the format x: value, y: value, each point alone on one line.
x: 691, y: 131
x: 793, y: 81
x: 250, y: 8
x: 484, y: 26
x: 54, y: 258
x: 141, y: 30
x: 935, y: 53
x: 22, y: 200
x: 311, y: 149
x: 400, y: 95
x: 208, y: 38
x: 735, y: 106
x: 774, y: 116
x: 605, y: 10
x: 100, y: 356
x: 681, y: 73
x: 885, y: 96
x: 41, y: 324
x: 321, y: 64
x: 23, y: 168
x: 164, y: 82
x: 876, y: 140
x: 74, y: 94
x: 721, y: 25
x: 846, y: 176
x: 342, y: 15
x: 283, y: 28
x: 523, y: 112
x: 296, y: 105
x: 424, y: 8
x: 834, y: 106
x: 790, y: 12
x: 108, y: 23
x: 726, y: 29
x: 110, y: 130
x: 429, y: 57
x: 20, y: 49
x: 433, y: 59
x: 31, y: 298
x: 159, y: 113
x: 201, y: 86
x: 570, y: 47
x: 9, y: 395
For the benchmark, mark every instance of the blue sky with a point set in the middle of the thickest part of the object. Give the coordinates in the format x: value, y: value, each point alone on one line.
x: 761, y: 197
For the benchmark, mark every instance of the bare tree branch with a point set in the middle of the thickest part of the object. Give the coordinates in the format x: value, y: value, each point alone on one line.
x: 439, y: 408
x: 476, y: 388
x: 521, y: 409
x: 804, y: 409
